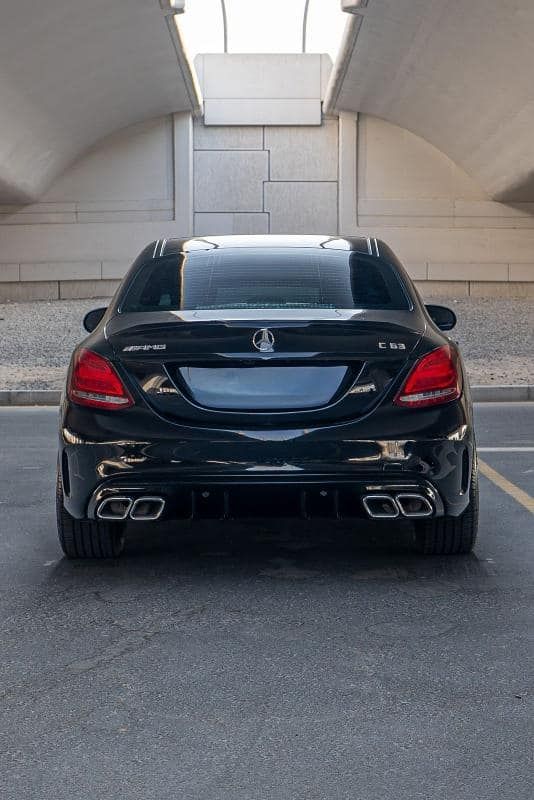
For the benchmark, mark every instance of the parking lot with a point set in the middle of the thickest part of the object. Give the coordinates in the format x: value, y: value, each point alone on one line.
x: 280, y: 661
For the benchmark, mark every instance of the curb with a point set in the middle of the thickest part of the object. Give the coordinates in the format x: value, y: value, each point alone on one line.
x: 30, y: 397
x: 520, y: 393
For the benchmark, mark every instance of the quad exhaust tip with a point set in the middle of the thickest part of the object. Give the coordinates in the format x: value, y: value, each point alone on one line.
x: 144, y: 509
x: 114, y: 508
x: 380, y: 506
x: 147, y: 508
x: 386, y: 506
x: 414, y: 505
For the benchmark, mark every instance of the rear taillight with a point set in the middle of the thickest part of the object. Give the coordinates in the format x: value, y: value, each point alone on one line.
x: 94, y: 382
x: 435, y: 379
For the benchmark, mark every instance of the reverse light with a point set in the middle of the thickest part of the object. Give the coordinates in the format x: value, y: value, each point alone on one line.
x: 434, y: 379
x: 94, y: 382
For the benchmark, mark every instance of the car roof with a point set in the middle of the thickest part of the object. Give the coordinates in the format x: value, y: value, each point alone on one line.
x: 361, y: 244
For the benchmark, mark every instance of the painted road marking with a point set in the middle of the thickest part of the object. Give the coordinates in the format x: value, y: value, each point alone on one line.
x: 510, y: 488
x: 505, y: 449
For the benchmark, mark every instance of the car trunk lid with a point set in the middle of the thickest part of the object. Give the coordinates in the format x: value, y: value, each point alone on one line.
x: 263, y: 365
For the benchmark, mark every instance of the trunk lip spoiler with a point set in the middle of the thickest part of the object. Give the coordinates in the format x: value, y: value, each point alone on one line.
x: 412, y: 322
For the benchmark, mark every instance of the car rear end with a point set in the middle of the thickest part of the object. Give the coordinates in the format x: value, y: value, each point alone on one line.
x: 250, y: 381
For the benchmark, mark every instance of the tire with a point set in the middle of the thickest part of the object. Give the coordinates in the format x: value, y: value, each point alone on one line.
x: 86, y: 538
x: 451, y: 535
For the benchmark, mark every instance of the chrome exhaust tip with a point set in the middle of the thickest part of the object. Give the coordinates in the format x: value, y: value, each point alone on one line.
x: 414, y: 505
x: 114, y: 508
x: 380, y: 506
x: 147, y: 509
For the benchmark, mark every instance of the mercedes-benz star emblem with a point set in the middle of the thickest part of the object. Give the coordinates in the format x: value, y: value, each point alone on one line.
x: 263, y: 340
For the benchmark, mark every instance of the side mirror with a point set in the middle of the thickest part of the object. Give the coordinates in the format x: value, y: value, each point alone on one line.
x: 442, y: 316
x: 93, y: 318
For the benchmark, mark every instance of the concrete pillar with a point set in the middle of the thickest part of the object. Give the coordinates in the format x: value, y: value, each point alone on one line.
x: 348, y: 173
x: 183, y: 173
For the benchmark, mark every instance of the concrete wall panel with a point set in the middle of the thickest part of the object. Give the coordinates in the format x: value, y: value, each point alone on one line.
x: 417, y: 272
x: 262, y: 112
x: 522, y: 272
x: 508, y: 289
x: 239, y: 76
x: 24, y: 292
x: 302, y: 207
x: 469, y: 272
x: 61, y: 271
x: 220, y: 224
x: 220, y: 137
x: 230, y: 180
x: 9, y: 273
x: 79, y: 290
x: 115, y: 269
x: 443, y: 288
x: 303, y: 153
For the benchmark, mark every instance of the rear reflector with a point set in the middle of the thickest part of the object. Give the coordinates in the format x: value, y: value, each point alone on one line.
x: 94, y: 382
x: 435, y: 379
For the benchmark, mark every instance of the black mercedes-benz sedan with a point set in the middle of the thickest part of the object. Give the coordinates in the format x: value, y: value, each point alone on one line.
x: 250, y: 376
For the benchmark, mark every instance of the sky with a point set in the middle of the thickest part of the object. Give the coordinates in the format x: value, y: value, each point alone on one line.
x: 262, y: 26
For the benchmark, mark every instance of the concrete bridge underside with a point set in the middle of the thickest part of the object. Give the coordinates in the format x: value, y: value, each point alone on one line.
x: 457, y: 73
x: 74, y: 71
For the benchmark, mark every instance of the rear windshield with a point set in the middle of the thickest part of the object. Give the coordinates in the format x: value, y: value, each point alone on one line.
x: 268, y: 278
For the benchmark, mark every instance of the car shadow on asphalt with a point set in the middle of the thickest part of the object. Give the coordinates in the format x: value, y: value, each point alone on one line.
x: 283, y: 549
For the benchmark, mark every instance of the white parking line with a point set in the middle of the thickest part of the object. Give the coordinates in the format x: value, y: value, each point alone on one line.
x: 505, y: 449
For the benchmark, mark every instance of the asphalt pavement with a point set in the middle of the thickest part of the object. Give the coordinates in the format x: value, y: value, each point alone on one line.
x: 255, y: 661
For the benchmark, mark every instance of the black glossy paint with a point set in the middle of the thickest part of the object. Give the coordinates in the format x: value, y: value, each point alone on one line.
x: 316, y: 457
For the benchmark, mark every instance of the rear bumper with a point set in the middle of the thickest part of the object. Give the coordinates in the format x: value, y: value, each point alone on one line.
x: 312, y: 497
x: 224, y: 473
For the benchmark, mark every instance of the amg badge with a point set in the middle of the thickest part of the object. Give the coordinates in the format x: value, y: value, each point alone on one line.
x: 134, y: 348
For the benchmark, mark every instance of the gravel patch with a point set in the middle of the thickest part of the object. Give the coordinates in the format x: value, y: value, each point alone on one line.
x: 496, y: 337
x: 37, y: 340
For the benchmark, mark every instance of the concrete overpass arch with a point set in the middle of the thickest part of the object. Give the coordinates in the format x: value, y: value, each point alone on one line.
x: 72, y: 73
x: 456, y: 73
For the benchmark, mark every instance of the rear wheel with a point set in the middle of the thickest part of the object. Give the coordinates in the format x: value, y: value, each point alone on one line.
x: 86, y: 538
x: 451, y: 535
